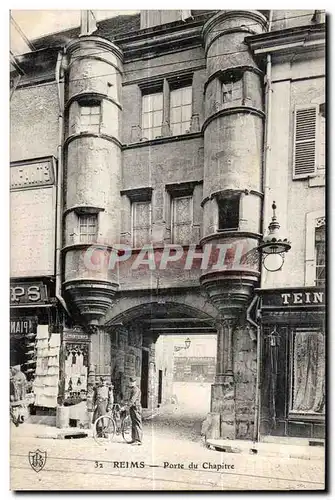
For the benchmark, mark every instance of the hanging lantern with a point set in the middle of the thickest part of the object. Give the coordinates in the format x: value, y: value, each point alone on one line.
x: 273, y: 246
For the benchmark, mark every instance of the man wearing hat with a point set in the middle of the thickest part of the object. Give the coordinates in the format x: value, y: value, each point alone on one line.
x: 102, y: 401
x: 135, y: 411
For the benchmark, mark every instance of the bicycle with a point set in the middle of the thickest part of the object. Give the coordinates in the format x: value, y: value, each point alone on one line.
x: 116, y: 421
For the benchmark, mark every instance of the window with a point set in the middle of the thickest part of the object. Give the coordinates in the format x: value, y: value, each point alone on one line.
x: 141, y: 226
x: 229, y: 212
x: 232, y: 91
x: 152, y: 115
x: 232, y: 87
x: 308, y: 372
x: 167, y: 107
x: 90, y: 117
x: 88, y: 225
x: 320, y: 256
x: 182, y: 219
x: 315, y: 248
x: 180, y: 110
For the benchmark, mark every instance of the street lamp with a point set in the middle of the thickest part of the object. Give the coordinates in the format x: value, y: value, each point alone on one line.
x: 186, y: 346
x: 273, y: 246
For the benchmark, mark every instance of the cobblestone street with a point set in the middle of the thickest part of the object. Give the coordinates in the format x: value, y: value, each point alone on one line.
x: 172, y: 458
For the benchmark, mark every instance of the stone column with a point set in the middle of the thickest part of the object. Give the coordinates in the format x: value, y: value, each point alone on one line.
x: 223, y: 392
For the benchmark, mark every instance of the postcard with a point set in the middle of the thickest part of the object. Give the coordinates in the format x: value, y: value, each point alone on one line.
x: 168, y: 262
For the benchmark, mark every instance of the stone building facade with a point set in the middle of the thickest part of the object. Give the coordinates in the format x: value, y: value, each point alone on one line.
x: 172, y: 133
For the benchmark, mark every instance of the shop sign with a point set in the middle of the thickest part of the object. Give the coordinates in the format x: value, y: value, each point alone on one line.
x: 22, y: 326
x: 28, y: 293
x: 296, y: 297
x: 75, y: 335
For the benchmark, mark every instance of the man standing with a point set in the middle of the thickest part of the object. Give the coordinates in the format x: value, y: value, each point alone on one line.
x: 18, y: 391
x: 135, y: 411
x: 102, y: 401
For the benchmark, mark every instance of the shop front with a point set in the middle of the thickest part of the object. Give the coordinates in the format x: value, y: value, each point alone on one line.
x: 293, y: 362
x: 35, y: 339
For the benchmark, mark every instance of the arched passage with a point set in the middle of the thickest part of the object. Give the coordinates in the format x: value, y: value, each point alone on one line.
x: 163, y: 322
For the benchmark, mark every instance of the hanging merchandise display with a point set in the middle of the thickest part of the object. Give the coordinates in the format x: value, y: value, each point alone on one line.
x: 47, y: 367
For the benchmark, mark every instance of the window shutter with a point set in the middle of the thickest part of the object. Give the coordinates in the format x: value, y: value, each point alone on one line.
x: 305, y: 131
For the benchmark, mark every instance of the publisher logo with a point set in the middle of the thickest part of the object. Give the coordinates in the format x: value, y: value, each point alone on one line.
x: 37, y: 459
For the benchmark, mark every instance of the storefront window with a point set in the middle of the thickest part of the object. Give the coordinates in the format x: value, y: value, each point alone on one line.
x: 308, y: 372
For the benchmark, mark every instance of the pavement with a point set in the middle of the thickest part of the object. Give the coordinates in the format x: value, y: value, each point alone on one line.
x: 172, y: 458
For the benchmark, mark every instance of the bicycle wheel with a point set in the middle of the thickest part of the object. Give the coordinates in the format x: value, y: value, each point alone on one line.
x: 104, y: 429
x: 126, y: 429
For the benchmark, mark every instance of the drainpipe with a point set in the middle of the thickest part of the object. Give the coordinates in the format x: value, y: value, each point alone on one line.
x: 60, y: 87
x: 266, y: 189
x: 267, y: 133
x: 258, y: 369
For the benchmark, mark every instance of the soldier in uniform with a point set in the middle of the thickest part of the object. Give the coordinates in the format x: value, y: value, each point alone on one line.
x: 135, y: 411
x: 102, y: 401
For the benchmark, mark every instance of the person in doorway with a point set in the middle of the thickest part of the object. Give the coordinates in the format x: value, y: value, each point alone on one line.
x: 102, y: 401
x: 18, y: 392
x: 135, y: 412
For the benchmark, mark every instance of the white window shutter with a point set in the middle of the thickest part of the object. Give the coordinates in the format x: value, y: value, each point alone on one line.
x: 305, y: 141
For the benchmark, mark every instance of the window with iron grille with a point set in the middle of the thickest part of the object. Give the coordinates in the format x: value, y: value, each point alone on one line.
x: 320, y: 256
x: 88, y: 227
x: 180, y: 110
x: 90, y: 117
x: 141, y: 223
x: 152, y: 115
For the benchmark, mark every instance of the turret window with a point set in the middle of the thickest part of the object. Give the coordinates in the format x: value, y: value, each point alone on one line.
x: 232, y: 87
x: 90, y: 117
x: 88, y: 228
x: 228, y: 212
